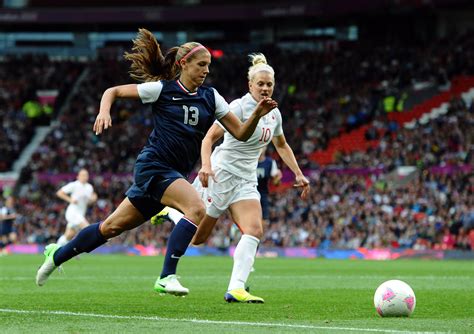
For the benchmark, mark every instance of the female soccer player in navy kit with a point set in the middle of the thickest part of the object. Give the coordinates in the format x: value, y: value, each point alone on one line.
x: 183, y: 111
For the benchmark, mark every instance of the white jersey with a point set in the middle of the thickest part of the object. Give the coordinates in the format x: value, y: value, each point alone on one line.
x: 241, y: 158
x: 82, y: 192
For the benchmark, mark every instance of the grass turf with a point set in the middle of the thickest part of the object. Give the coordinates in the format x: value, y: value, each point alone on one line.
x: 114, y: 294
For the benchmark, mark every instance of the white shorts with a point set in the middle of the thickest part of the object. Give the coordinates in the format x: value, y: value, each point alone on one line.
x: 228, y: 189
x: 74, y: 219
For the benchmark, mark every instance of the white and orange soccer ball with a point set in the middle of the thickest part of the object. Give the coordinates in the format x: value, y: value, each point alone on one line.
x: 394, y: 298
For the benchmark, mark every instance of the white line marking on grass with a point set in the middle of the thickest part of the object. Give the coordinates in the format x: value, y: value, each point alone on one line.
x: 213, y: 322
x: 273, y: 277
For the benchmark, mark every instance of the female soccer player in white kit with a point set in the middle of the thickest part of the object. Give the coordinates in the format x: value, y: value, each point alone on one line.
x: 228, y: 178
x: 79, y: 194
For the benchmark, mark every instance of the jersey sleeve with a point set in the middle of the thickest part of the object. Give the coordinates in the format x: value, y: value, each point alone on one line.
x: 279, y: 128
x: 68, y: 188
x: 222, y: 107
x: 235, y: 108
x: 149, y: 92
x: 274, y: 170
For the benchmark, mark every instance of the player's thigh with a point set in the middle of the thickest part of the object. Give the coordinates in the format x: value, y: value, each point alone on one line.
x: 247, y: 214
x: 181, y: 195
x: 221, y: 194
x: 74, y: 218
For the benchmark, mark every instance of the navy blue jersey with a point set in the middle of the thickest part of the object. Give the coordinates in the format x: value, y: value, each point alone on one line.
x: 181, y: 120
x: 264, y: 169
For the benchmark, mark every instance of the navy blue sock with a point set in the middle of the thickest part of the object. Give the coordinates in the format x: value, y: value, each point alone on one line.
x: 85, y: 241
x: 178, y: 242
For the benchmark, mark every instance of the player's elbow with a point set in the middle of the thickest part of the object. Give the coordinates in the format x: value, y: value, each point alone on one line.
x: 243, y: 136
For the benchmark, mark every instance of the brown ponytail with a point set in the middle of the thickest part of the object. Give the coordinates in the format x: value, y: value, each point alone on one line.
x: 148, y: 63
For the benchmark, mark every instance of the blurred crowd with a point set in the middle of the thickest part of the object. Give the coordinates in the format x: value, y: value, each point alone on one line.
x: 21, y: 77
x: 321, y: 95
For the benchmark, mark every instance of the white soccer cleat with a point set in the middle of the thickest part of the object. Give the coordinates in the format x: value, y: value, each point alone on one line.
x: 170, y: 285
x: 48, y: 265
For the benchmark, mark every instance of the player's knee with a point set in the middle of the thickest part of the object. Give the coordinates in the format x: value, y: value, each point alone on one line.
x: 69, y: 234
x: 255, y: 230
x: 196, y: 213
x: 111, y: 228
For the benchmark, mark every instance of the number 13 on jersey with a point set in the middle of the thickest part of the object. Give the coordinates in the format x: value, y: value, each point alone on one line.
x: 191, y: 115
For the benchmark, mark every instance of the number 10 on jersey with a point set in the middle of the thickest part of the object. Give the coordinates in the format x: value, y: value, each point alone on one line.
x: 265, y: 137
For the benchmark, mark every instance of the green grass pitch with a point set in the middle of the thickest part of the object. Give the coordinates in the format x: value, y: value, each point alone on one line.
x: 114, y: 294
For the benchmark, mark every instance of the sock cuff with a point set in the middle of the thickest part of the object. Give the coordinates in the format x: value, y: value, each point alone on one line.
x: 187, y: 224
x: 98, y: 231
x: 251, y: 237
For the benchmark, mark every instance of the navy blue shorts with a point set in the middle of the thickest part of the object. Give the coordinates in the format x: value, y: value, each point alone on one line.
x: 265, y: 205
x: 149, y: 202
x: 151, y: 179
x: 6, y: 227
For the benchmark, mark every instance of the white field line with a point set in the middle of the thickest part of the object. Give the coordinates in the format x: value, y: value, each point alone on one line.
x: 211, y: 322
x: 255, y: 276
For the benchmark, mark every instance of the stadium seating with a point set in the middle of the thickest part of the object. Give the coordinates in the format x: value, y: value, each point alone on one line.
x: 327, y: 118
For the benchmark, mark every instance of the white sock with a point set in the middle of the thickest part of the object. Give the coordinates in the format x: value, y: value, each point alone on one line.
x: 175, y: 215
x: 62, y: 241
x: 244, y: 257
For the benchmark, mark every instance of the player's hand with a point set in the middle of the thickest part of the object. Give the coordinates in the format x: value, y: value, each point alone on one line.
x: 204, y: 173
x: 265, y: 106
x: 102, y: 122
x: 73, y: 201
x: 302, y: 182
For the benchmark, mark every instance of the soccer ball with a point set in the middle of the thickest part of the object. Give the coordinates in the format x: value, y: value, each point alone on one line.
x: 394, y: 298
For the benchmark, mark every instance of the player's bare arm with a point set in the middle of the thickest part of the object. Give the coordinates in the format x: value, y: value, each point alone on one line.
x: 103, y: 120
x: 65, y: 197
x: 243, y: 131
x: 213, y: 135
x: 286, y: 153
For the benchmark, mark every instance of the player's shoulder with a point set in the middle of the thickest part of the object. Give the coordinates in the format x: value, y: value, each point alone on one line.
x: 276, y: 111
x: 208, y: 91
x: 242, y: 103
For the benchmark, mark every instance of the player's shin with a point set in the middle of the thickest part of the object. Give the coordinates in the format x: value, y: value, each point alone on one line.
x: 178, y: 242
x: 86, y: 240
x: 244, y: 257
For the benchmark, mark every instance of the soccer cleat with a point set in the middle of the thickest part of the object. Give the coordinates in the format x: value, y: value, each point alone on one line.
x: 48, y: 265
x: 170, y: 285
x: 241, y: 296
x: 160, y: 217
